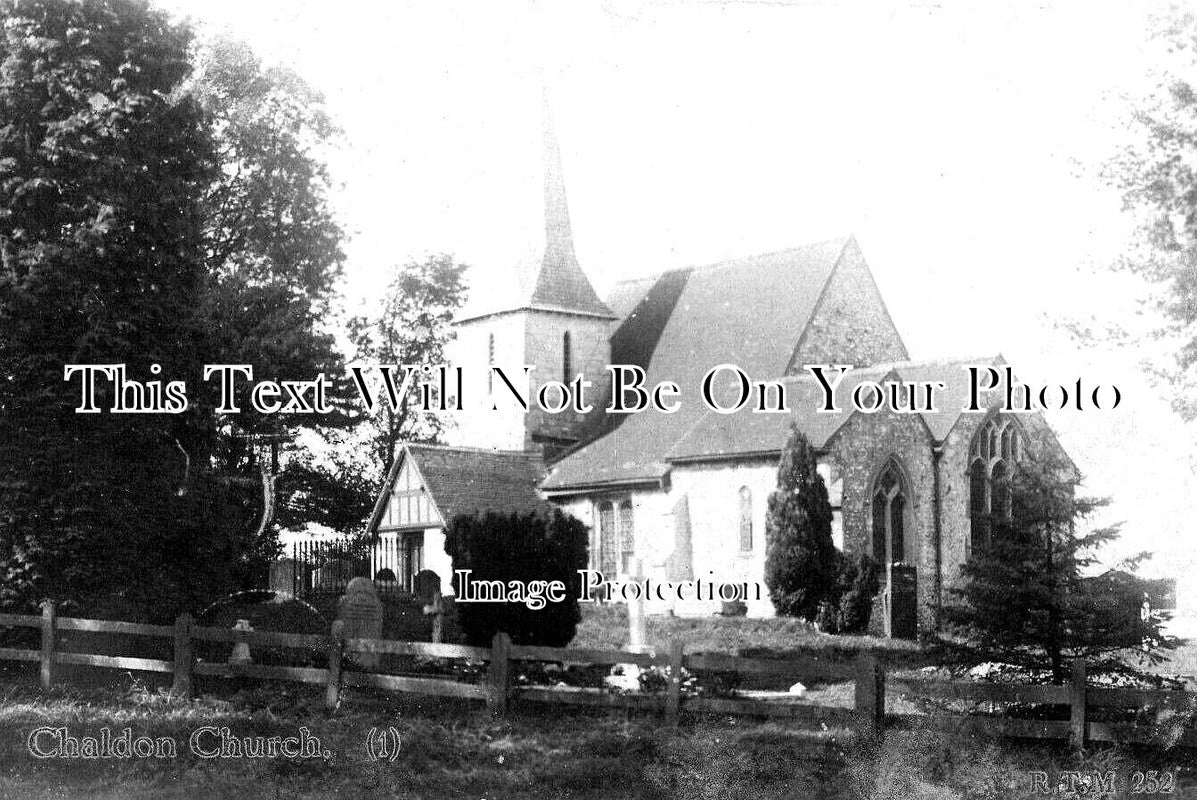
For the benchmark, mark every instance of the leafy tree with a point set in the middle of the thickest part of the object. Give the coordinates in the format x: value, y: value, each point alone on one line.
x: 801, y: 562
x: 550, y: 546
x: 1157, y: 177
x: 120, y: 205
x: 412, y: 326
x: 1026, y: 600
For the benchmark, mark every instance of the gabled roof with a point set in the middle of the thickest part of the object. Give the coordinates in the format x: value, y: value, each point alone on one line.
x: 750, y: 312
x: 465, y: 480
x: 710, y: 436
x: 721, y: 436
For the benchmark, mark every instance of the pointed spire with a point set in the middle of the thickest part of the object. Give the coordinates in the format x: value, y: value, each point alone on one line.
x: 561, y: 283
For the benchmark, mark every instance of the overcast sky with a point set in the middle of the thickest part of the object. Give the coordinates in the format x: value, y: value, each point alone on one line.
x: 957, y: 141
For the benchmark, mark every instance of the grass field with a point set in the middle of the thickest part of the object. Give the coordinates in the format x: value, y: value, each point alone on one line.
x: 451, y: 751
x: 606, y: 626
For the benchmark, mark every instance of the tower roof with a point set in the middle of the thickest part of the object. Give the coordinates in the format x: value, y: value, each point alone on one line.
x: 550, y: 279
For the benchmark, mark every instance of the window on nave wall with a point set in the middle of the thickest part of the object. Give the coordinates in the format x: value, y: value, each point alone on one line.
x: 995, y: 449
x: 745, y: 519
x: 490, y: 361
x: 567, y: 356
x: 890, y: 505
x: 616, y: 542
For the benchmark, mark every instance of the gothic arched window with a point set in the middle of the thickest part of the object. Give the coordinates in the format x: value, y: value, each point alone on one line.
x: 745, y: 518
x: 996, y: 447
x: 566, y: 358
x: 889, y: 514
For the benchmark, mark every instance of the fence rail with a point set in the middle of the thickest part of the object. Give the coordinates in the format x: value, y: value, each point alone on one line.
x: 867, y: 712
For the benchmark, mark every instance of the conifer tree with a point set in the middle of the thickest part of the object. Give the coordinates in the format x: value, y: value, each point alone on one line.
x: 1025, y: 598
x: 801, y: 562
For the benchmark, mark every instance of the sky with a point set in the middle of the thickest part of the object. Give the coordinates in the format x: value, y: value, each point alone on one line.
x: 958, y: 141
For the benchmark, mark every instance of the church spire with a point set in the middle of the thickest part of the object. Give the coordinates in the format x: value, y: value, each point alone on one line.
x: 561, y: 285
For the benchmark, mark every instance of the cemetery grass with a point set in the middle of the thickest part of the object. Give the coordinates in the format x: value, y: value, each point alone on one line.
x: 454, y: 750
x: 606, y: 627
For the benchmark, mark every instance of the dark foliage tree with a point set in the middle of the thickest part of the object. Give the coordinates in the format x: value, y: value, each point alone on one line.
x: 801, y: 561
x: 120, y: 207
x: 1026, y: 599
x: 859, y: 580
x: 411, y: 326
x: 550, y: 546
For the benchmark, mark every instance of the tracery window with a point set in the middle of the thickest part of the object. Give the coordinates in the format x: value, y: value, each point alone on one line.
x: 889, y: 514
x: 996, y: 447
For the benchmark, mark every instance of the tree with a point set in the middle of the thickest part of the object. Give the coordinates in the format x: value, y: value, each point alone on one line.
x: 545, y: 547
x: 115, y: 248
x: 801, y: 562
x: 1026, y: 599
x: 1157, y: 177
x: 412, y: 326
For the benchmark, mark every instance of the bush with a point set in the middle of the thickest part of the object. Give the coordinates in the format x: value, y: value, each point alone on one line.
x: 800, y: 559
x: 859, y: 580
x: 519, y: 547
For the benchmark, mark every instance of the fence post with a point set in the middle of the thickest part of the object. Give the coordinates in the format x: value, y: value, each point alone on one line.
x: 1078, y: 698
x: 184, y: 655
x: 499, y: 674
x: 49, y: 642
x: 673, y: 693
x: 870, y: 695
x: 336, y: 653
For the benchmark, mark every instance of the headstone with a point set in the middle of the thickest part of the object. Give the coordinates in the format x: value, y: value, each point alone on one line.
x: 361, y: 611
x: 333, y: 573
x: 901, y: 596
x: 426, y: 584
x: 241, y: 654
x: 283, y: 575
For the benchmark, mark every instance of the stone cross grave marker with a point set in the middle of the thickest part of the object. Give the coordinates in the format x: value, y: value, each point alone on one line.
x: 361, y: 611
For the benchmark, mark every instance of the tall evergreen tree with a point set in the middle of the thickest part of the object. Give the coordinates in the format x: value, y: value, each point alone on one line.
x: 801, y: 562
x: 1026, y: 599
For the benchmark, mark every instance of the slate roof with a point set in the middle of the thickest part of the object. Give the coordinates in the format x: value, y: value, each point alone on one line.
x: 710, y: 436
x: 464, y: 480
x: 750, y: 312
x: 720, y: 436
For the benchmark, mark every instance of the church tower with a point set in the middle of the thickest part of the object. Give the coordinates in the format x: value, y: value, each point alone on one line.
x: 543, y: 314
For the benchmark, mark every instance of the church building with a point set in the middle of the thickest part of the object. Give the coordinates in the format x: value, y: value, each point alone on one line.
x: 683, y: 495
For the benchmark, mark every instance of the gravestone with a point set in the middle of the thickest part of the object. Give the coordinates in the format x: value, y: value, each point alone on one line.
x: 361, y: 611
x: 283, y: 575
x: 895, y: 606
x: 901, y: 594
x: 333, y: 573
x: 427, y: 585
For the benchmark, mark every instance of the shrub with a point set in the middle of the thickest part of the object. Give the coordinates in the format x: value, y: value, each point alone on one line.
x: 800, y: 559
x: 519, y: 547
x: 859, y: 580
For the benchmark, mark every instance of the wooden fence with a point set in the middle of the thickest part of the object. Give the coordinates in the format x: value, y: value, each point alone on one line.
x: 867, y: 713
